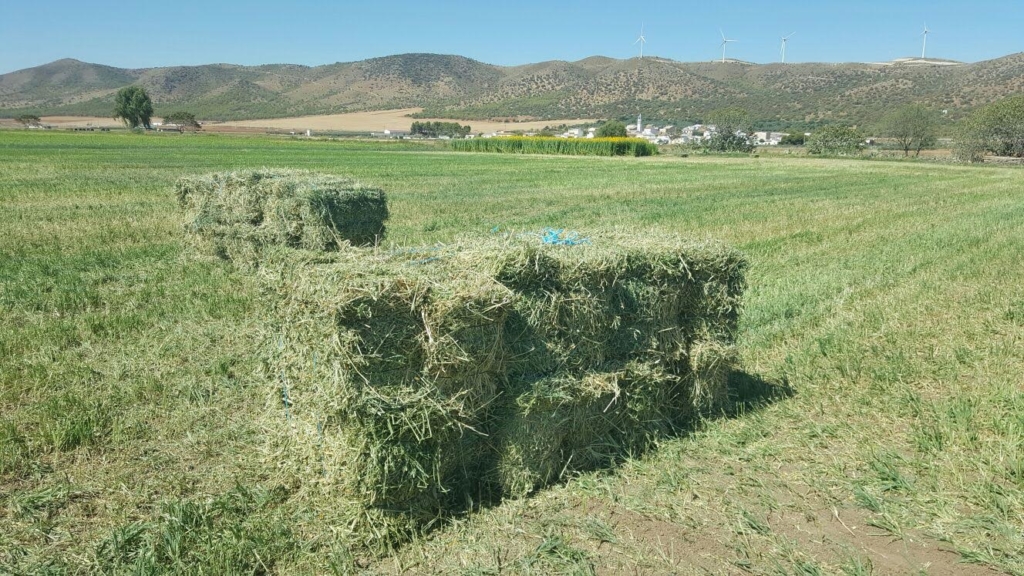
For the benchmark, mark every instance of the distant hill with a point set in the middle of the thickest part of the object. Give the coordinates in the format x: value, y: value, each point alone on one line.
x: 458, y: 87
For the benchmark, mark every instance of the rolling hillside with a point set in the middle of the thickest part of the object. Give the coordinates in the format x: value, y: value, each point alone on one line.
x: 458, y: 87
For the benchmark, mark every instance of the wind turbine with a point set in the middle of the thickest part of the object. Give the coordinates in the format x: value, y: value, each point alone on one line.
x: 924, y: 44
x: 724, y: 42
x: 641, y: 40
x: 784, y: 39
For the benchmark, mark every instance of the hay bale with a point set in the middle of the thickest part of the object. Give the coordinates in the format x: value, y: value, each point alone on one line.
x: 496, y: 366
x: 396, y: 368
x: 237, y: 214
x: 562, y: 425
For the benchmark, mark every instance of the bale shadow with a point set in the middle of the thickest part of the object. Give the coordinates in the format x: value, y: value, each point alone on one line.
x: 747, y: 393
x: 750, y: 392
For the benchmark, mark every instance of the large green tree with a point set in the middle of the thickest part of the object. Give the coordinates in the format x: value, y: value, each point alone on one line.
x: 611, y: 129
x: 729, y: 124
x: 729, y: 120
x: 133, y: 107
x: 912, y: 127
x: 997, y: 128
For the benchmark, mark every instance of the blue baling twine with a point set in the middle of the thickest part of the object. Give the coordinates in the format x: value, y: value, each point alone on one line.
x: 552, y: 236
x: 560, y: 237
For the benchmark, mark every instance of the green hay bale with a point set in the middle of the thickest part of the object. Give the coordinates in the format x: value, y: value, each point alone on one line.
x: 613, y: 301
x: 423, y: 379
x: 396, y: 369
x: 559, y: 426
x: 711, y: 361
x: 539, y: 437
x: 237, y: 214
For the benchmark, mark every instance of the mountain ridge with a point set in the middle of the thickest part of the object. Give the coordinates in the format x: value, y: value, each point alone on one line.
x: 458, y: 87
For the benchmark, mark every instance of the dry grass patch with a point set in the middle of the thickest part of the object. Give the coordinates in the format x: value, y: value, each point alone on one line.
x: 378, y: 120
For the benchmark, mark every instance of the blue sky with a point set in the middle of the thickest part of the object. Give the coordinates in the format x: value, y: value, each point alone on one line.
x: 507, y: 32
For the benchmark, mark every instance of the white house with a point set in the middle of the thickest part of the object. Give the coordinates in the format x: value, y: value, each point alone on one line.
x: 765, y: 138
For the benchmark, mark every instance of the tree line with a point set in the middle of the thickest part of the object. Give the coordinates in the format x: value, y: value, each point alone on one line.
x: 437, y: 129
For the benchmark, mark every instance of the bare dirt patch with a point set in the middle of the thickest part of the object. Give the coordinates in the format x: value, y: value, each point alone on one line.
x: 68, y: 122
x: 378, y: 121
x: 837, y: 532
x: 81, y: 122
x: 698, y: 551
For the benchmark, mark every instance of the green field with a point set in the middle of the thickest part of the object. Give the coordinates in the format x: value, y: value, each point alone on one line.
x: 878, y: 427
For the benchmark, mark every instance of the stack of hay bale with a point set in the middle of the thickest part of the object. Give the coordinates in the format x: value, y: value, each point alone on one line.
x: 237, y: 214
x: 421, y: 380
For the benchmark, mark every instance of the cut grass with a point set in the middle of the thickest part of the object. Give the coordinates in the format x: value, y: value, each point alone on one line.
x: 886, y: 295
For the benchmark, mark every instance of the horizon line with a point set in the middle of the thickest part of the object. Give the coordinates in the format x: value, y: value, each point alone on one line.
x: 646, y: 57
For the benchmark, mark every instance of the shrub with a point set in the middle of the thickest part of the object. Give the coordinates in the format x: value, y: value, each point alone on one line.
x: 794, y: 139
x: 29, y: 120
x: 721, y: 142
x: 834, y: 140
x: 184, y: 120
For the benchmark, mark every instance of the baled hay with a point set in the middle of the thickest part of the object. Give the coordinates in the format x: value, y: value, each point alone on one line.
x: 495, y: 367
x: 397, y: 369
x: 237, y: 214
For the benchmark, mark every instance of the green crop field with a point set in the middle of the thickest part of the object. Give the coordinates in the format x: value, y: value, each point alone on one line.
x: 878, y: 418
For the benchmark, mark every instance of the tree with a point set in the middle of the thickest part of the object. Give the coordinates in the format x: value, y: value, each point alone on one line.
x: 794, y: 139
x: 611, y: 129
x: 731, y: 128
x: 133, y: 106
x: 912, y: 127
x: 729, y: 120
x: 436, y: 129
x: 29, y: 120
x: 997, y: 128
x: 834, y: 140
x: 185, y: 120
